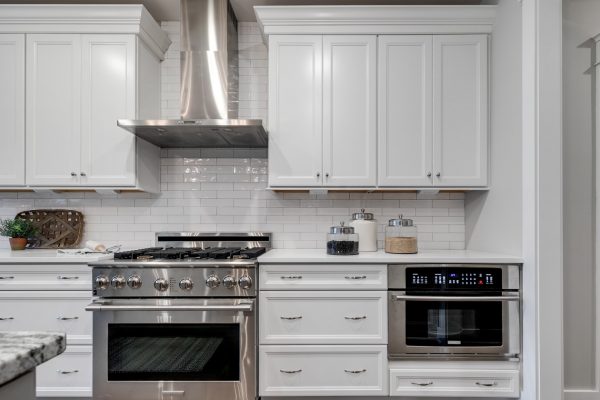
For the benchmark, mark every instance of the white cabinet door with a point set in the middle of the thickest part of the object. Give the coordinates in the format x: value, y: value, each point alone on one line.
x: 108, y: 94
x: 295, y: 110
x: 12, y: 110
x: 405, y: 110
x: 52, y: 109
x: 349, y: 110
x: 460, y: 118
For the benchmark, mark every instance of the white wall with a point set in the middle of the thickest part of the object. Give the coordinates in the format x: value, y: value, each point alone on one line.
x: 493, y: 218
x: 581, y: 22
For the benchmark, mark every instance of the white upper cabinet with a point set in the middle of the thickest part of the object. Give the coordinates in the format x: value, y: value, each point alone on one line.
x: 322, y: 110
x: 12, y: 109
x: 295, y: 110
x: 53, y: 98
x: 349, y: 110
x: 405, y: 110
x: 108, y: 93
x: 460, y: 122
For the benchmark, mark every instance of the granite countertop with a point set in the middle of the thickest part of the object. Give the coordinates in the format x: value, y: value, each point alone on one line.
x: 45, y: 256
x: 277, y: 256
x: 23, y: 351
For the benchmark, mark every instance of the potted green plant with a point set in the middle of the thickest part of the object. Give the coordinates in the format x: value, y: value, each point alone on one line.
x: 18, y: 230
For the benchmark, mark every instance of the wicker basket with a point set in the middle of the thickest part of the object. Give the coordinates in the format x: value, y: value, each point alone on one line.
x: 56, y: 229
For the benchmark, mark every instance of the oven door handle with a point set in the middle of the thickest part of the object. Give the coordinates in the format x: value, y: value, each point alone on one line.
x: 456, y: 298
x: 96, y: 306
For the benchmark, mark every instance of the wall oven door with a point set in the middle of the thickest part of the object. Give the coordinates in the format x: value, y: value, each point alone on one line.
x: 163, y: 349
x: 454, y: 324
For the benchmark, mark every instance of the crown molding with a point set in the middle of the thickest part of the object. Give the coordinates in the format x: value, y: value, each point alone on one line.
x: 375, y: 19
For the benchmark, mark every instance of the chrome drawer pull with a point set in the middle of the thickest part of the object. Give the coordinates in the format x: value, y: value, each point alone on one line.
x: 5, y: 318
x: 60, y: 371
x: 6, y: 277
x: 285, y: 371
x: 356, y: 277
x: 492, y: 384
x: 66, y: 318
x: 355, y: 371
x: 292, y: 277
x: 422, y: 384
x: 67, y: 278
x: 292, y: 318
x: 357, y: 318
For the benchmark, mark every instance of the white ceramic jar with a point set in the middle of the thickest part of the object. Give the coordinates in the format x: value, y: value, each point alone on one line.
x: 365, y: 225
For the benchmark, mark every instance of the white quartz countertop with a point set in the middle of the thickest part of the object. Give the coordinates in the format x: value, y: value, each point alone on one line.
x: 277, y: 256
x: 23, y: 351
x: 44, y: 256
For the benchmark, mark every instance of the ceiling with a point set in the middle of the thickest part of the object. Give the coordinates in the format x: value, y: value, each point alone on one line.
x: 168, y: 10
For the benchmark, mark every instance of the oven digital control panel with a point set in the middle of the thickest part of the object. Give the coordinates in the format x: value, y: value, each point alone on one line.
x: 454, y: 278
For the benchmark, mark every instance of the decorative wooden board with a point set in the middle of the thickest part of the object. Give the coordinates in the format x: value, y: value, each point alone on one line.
x: 56, y: 229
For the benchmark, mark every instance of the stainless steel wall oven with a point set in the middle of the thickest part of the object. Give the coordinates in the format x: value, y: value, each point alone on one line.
x: 454, y: 311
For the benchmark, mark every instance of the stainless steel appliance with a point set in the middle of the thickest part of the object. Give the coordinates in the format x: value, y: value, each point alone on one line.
x: 178, y: 321
x: 454, y: 311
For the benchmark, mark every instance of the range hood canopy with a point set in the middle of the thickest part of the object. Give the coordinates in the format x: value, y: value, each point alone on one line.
x: 209, y: 95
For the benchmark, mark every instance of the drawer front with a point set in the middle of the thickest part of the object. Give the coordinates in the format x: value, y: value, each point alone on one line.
x: 67, y: 375
x: 323, y: 277
x: 323, y: 371
x: 48, y: 311
x: 453, y: 383
x: 45, y: 277
x: 323, y: 317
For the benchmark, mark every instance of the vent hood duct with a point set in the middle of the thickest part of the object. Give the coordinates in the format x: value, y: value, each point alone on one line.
x: 209, y: 85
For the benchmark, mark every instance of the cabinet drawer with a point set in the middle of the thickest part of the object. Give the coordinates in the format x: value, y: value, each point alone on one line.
x: 455, y: 383
x: 323, y: 371
x: 323, y: 317
x: 323, y: 277
x: 48, y: 311
x: 45, y: 277
x: 68, y: 375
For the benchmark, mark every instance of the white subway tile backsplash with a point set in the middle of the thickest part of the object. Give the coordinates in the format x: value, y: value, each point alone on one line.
x: 224, y: 189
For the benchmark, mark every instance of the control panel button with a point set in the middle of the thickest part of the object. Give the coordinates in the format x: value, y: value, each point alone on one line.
x: 161, y: 284
x: 118, y: 281
x: 102, y: 282
x: 229, y: 282
x: 134, y: 282
x: 186, y: 284
x: 245, y: 282
x: 213, y: 281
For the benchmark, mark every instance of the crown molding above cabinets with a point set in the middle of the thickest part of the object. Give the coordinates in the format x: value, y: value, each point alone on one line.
x: 408, y: 108
x: 374, y: 20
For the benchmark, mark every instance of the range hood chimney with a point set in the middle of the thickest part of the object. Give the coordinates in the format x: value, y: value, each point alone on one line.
x: 209, y: 96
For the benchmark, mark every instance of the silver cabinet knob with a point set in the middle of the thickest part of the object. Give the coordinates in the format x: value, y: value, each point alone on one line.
x: 118, y: 281
x: 102, y: 282
x: 83, y: 174
x: 245, y: 282
x: 73, y: 174
x: 229, y: 282
x: 134, y: 282
x: 213, y: 281
x: 186, y: 284
x: 161, y: 284
x: 438, y: 174
x: 429, y: 174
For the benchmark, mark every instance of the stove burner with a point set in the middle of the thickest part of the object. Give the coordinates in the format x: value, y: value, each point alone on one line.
x: 134, y: 254
x: 175, y: 253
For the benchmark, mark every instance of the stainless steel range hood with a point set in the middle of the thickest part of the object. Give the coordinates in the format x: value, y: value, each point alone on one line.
x: 209, y: 85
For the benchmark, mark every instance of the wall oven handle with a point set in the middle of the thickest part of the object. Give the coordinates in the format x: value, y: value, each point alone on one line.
x: 151, y: 307
x: 456, y: 298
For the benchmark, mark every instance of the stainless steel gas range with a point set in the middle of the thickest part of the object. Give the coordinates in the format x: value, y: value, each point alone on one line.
x: 177, y: 321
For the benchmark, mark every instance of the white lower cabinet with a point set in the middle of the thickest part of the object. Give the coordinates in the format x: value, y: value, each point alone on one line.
x: 52, y: 297
x: 323, y: 371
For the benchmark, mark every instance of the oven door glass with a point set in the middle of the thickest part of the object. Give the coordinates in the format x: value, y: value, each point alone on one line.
x: 449, y: 323
x: 173, y: 352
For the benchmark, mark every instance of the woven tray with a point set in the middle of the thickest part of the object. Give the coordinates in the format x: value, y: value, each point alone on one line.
x: 56, y: 229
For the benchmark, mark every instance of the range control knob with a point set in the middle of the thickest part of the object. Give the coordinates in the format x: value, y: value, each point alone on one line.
x: 102, y: 282
x: 229, y: 282
x: 186, y: 284
x: 161, y: 284
x: 213, y: 281
x: 134, y: 282
x: 245, y: 282
x: 118, y: 281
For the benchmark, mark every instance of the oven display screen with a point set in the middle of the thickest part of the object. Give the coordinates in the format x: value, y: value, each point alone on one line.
x: 454, y: 278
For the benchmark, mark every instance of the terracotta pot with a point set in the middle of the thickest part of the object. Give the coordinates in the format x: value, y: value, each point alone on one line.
x: 17, y: 243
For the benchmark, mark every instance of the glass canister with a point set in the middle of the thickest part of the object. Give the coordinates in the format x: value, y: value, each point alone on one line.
x: 342, y: 241
x: 401, y: 236
x: 365, y: 225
